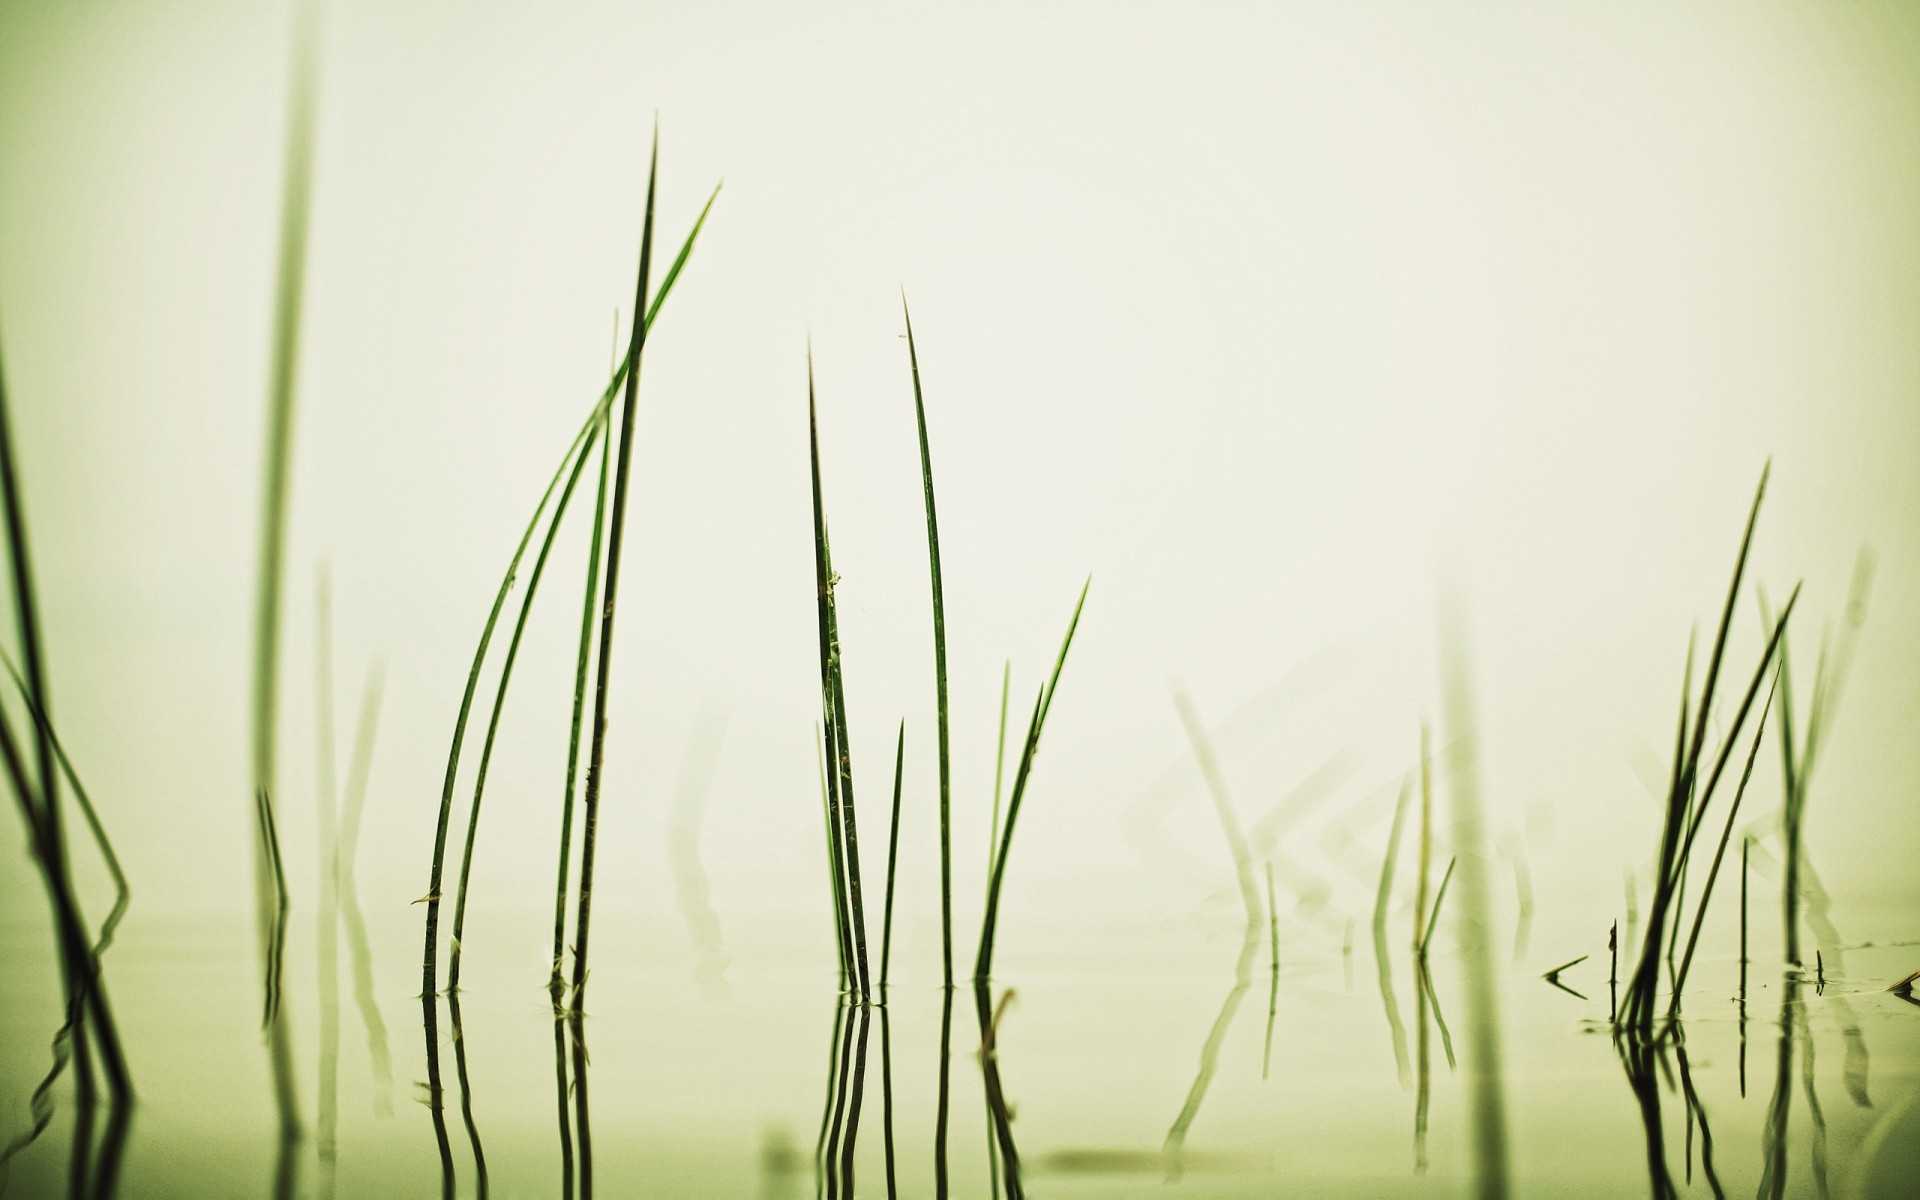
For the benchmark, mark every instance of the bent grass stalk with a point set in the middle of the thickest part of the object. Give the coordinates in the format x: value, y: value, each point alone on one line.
x: 500, y: 703
x: 983, y: 961
x: 590, y: 429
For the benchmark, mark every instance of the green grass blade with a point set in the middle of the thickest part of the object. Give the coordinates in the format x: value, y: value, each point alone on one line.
x: 622, y: 471
x: 556, y: 982
x: 939, y: 661
x: 499, y: 707
x: 834, y: 710
x: 983, y: 960
x: 893, y: 858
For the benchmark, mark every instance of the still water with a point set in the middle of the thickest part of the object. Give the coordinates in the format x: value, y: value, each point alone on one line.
x: 1124, y: 1061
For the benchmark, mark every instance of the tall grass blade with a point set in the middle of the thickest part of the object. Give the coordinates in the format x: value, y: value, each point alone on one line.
x: 1719, y: 852
x: 834, y: 710
x: 983, y: 961
x: 939, y: 659
x: 556, y: 982
x: 610, y: 597
x: 458, y: 940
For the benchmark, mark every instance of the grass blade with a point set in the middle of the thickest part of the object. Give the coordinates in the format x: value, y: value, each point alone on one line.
x: 983, y: 961
x: 940, y: 664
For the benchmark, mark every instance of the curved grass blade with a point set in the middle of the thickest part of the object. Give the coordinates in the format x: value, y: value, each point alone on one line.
x: 556, y: 982
x: 939, y: 662
x: 500, y: 704
x: 983, y: 961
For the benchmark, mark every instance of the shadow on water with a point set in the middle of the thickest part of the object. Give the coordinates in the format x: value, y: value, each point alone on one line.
x: 466, y: 1095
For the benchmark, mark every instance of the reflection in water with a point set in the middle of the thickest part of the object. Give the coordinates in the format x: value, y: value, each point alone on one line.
x: 1696, y: 1117
x: 556, y: 990
x: 1210, y: 1050
x: 1773, y: 1151
x: 435, y: 1097
x: 821, y: 1143
x: 583, y: 1126
x: 886, y: 1092
x: 683, y: 854
x: 940, y: 1109
x: 466, y: 1094
x: 1639, y: 1057
x: 1383, y: 961
x: 990, y: 1018
x: 833, y: 1159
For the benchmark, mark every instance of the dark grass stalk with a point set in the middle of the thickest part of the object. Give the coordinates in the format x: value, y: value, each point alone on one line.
x: 276, y: 946
x: 86, y: 1002
x: 1791, y: 816
x: 983, y: 961
x: 436, y: 1093
x: 1613, y: 973
x: 1681, y: 795
x: 939, y: 659
x: 582, y: 1107
x: 834, y: 714
x: 999, y: 762
x: 1698, y: 1113
x: 942, y: 1098
x: 864, y: 1019
x: 893, y: 859
x: 40, y: 806
x: 560, y: 1093
x: 556, y: 983
x: 456, y: 942
x: 1719, y: 852
x: 997, y: 1108
x: 886, y: 1094
x: 480, y: 1185
x: 122, y: 889
x: 1383, y: 961
x: 843, y: 1082
x: 277, y: 461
